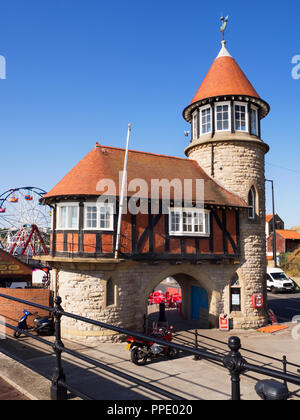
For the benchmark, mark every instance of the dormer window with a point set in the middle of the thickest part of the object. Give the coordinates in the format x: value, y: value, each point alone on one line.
x: 240, y: 116
x: 223, y: 117
x: 206, y: 120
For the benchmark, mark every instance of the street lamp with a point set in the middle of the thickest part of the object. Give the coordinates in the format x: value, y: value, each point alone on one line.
x: 274, y: 226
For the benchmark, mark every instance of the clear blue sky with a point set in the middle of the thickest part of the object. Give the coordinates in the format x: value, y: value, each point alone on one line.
x: 78, y: 71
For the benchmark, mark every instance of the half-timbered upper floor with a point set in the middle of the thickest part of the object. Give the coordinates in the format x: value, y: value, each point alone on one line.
x: 174, y: 210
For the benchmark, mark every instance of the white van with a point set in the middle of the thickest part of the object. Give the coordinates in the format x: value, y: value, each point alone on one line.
x: 278, y: 281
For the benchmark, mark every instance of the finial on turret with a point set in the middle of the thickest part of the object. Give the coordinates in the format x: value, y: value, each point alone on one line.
x: 224, y: 26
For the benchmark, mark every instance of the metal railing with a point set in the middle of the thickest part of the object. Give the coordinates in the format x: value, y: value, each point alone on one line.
x: 233, y: 361
x: 196, y: 336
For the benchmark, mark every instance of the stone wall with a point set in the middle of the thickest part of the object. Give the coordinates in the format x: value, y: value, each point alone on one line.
x: 237, y: 166
x: 83, y: 292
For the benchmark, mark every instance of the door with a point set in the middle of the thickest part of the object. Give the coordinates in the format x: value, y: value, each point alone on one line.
x: 199, y: 302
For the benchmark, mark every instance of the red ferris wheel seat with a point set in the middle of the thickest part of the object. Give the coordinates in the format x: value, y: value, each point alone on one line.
x: 3, y: 210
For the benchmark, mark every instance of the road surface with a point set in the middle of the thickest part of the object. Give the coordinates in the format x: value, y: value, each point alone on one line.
x: 285, y: 306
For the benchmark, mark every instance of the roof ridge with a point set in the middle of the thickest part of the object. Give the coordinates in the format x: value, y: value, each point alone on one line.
x: 141, y: 152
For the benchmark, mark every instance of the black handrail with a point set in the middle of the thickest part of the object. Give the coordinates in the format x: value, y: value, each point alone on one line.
x: 196, y: 334
x: 234, y: 361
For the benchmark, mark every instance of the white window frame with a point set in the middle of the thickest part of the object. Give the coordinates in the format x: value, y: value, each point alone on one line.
x: 246, y: 117
x: 195, y: 117
x: 98, y: 206
x: 229, y: 116
x: 181, y: 232
x: 86, y: 206
x: 67, y: 205
x: 254, y: 108
x: 201, y: 124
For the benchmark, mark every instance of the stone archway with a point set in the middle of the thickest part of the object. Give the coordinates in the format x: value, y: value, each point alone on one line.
x: 199, y: 293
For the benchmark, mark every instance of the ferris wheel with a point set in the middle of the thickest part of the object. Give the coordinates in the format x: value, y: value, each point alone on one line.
x: 24, y: 222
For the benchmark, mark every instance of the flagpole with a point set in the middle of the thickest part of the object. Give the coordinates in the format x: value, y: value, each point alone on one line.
x: 122, y: 194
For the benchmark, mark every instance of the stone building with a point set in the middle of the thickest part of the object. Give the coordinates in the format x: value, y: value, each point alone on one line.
x: 217, y: 253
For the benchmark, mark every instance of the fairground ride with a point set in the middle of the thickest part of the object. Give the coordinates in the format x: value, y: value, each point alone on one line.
x: 24, y: 222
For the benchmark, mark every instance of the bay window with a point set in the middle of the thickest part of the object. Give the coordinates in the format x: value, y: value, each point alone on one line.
x: 91, y: 217
x: 189, y: 222
x: 68, y: 216
x: 99, y: 216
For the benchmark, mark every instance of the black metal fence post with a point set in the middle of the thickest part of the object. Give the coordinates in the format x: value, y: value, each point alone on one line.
x: 58, y: 389
x: 284, y: 362
x: 234, y: 362
x: 196, y: 357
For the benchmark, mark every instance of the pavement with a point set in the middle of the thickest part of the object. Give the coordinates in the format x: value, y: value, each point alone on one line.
x: 10, y: 393
x: 28, y: 365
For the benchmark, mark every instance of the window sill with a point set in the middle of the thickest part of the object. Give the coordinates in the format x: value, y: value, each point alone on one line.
x: 187, y: 234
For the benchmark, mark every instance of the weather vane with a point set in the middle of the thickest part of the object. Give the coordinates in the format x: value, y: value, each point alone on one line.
x: 224, y: 25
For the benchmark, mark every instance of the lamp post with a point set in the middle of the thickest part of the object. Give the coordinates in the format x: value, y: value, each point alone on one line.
x: 274, y: 226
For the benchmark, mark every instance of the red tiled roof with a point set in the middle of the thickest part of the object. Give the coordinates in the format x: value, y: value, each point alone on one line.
x: 269, y: 217
x: 105, y: 162
x: 289, y: 234
x: 225, y: 77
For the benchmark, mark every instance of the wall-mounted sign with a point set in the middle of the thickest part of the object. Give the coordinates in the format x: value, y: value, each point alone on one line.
x: 235, y: 299
x: 10, y: 266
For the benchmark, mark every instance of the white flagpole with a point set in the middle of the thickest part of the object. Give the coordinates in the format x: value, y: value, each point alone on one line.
x: 122, y: 194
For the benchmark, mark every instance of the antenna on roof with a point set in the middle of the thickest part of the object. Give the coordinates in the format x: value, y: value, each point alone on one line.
x: 122, y: 194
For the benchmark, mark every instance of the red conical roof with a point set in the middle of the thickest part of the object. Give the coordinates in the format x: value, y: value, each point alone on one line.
x: 225, y: 78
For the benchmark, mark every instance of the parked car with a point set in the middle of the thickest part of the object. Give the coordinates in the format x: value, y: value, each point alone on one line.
x: 278, y: 281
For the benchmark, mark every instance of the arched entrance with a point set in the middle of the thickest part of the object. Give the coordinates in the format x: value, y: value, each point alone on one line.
x: 168, y: 293
x: 199, y: 297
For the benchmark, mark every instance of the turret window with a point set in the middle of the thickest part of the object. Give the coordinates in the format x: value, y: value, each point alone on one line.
x: 240, y: 117
x: 254, y: 122
x: 226, y: 116
x: 223, y: 117
x: 251, y: 204
x: 195, y: 125
x: 206, y: 120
